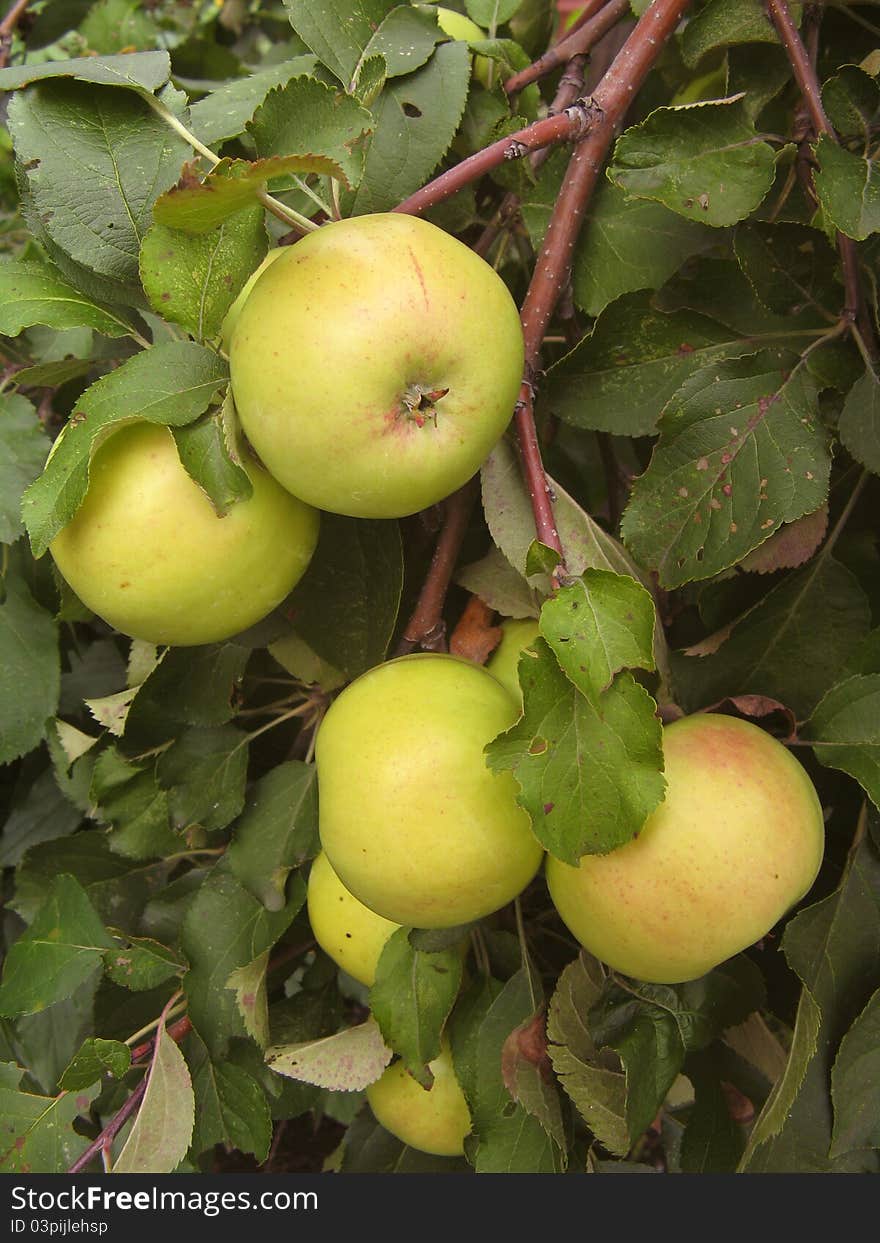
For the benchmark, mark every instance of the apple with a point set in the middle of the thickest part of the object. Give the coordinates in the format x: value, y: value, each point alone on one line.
x: 503, y: 664
x: 147, y: 552
x: 435, y: 1120
x: 375, y: 364
x: 413, y: 822
x: 231, y: 317
x: 352, y: 934
x: 736, y: 842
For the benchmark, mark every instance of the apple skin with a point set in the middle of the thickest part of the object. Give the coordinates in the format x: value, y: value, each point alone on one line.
x: 231, y: 317
x: 460, y: 27
x: 147, y: 552
x: 344, y: 326
x: 504, y: 662
x: 434, y: 1121
x: 413, y: 822
x: 737, y: 841
x: 352, y: 934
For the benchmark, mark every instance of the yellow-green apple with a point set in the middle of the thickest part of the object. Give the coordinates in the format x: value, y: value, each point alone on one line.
x: 231, y: 317
x: 147, y: 552
x: 352, y: 934
x: 434, y: 1120
x: 516, y: 633
x: 736, y: 842
x: 374, y: 365
x: 413, y: 822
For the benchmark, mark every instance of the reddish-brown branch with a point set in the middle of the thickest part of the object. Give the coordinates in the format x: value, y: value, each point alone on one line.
x: 612, y: 97
x: 569, y: 125
x: 575, y: 43
x: 805, y: 75
x: 426, y: 628
x: 7, y: 28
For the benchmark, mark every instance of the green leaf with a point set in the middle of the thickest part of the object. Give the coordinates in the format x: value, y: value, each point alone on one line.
x: 703, y: 161
x: 511, y: 523
x: 499, y: 585
x: 852, y: 101
x: 32, y: 292
x: 30, y: 670
x: 225, y: 112
x: 589, y: 774
x: 620, y: 377
x: 42, y: 815
x: 833, y: 946
x: 859, y: 426
x: 142, y: 964
x: 405, y: 40
x: 630, y: 244
x: 541, y: 559
x: 597, y: 626
x: 231, y: 1106
x: 232, y: 186
x: 249, y: 985
x: 196, y: 686
x: 338, y: 31
x: 507, y: 1139
x: 790, y: 267
x: 348, y: 1061
x: 346, y: 604
x: 848, y: 186
x: 845, y: 731
x: 145, y: 71
x: 791, y: 646
x: 193, y: 280
x: 276, y: 832
x: 415, y: 121
x: 226, y: 928
x: 593, y: 1080
x: 208, y: 452
x: 491, y: 13
x: 170, y: 384
x: 722, y: 24
x: 95, y: 1059
x: 411, y: 999
x: 758, y: 72
x: 741, y: 451
x: 58, y: 952
x: 36, y: 1132
x: 128, y: 797
x: 307, y: 118
x: 94, y: 190
x: 204, y: 773
x: 118, y: 26
x: 855, y: 1083
x: 712, y: 1141
x: 162, y: 1130
x: 526, y: 1068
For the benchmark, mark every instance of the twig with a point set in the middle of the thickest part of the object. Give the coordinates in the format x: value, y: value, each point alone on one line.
x: 576, y: 42
x: 7, y: 29
x: 426, y: 628
x: 102, y: 1144
x: 569, y: 125
x: 612, y: 97
x: 855, y: 311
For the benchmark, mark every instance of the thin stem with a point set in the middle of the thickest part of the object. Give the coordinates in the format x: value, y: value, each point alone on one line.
x: 845, y: 513
x: 316, y: 198
x: 144, y: 1031
x: 426, y: 628
x: 575, y: 43
x: 7, y: 29
x: 287, y: 214
x: 302, y: 710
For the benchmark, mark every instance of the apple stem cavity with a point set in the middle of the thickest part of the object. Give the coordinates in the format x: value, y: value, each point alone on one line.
x: 420, y: 404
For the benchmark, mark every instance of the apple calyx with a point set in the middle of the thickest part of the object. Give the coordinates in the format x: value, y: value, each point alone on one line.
x: 419, y: 404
